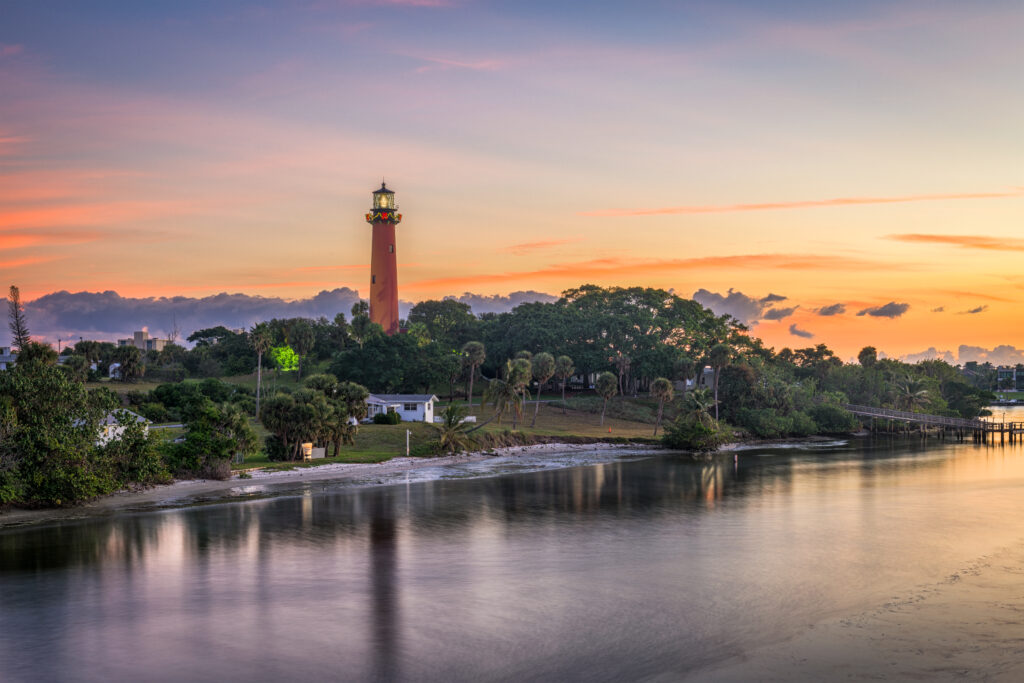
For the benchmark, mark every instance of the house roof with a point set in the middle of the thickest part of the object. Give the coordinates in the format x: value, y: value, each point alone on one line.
x: 111, y: 417
x: 400, y: 398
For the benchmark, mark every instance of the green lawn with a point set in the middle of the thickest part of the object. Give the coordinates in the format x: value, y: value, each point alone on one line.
x: 374, y: 443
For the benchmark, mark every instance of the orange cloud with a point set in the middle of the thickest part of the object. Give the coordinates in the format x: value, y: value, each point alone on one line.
x: 963, y: 241
x: 975, y: 295
x: 616, y: 267
x: 357, y: 266
x: 88, y: 214
x: 813, y: 203
x: 15, y: 263
x: 20, y: 241
x: 527, y: 247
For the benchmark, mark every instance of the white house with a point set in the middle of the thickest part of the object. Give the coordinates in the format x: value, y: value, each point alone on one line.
x: 410, y: 407
x: 111, y: 428
x: 7, y: 357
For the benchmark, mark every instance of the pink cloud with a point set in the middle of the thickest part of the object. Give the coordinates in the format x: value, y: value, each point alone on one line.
x: 441, y: 63
x: 11, y: 50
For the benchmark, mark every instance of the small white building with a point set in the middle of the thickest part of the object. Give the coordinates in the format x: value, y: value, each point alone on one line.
x: 111, y: 428
x: 410, y: 407
x: 7, y: 357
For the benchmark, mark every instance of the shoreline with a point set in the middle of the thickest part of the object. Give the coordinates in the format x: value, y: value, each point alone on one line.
x: 183, y: 493
x: 190, y: 492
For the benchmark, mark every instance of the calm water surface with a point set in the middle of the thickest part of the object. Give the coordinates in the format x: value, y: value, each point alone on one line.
x: 636, y: 568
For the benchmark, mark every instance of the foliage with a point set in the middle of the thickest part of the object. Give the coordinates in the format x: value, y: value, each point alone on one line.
x: 687, y: 433
x: 214, y: 435
x: 453, y: 432
x: 131, y: 365
x: 396, y: 364
x: 661, y: 389
x: 832, y: 419
x: 447, y: 322
x: 287, y: 360
x: 473, y: 356
x: 606, y: 387
x: 50, y: 450
x: 37, y: 352
x: 390, y: 417
x: 16, y: 320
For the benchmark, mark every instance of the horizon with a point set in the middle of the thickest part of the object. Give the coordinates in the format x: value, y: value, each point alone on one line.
x: 845, y: 174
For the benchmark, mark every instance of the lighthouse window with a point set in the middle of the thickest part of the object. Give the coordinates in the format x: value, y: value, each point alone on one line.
x: 391, y: 248
x: 373, y: 279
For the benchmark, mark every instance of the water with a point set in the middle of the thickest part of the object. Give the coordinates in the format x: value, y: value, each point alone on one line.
x: 632, y: 568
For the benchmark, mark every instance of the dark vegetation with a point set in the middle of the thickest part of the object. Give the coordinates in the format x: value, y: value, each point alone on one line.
x: 615, y: 354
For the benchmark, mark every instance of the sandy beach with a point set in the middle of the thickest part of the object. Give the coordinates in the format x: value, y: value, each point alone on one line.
x: 186, y: 492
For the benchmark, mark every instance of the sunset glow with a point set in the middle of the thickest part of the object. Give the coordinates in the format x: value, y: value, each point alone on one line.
x: 849, y: 153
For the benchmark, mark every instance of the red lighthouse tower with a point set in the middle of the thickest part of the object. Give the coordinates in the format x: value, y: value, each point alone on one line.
x: 383, y: 266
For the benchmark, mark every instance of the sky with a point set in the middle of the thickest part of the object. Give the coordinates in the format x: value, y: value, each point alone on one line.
x: 846, y: 173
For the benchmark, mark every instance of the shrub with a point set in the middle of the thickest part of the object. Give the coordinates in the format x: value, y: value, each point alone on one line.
x: 833, y: 419
x: 389, y: 418
x: 275, y: 448
x: 689, y: 434
x: 764, y: 422
x: 803, y: 424
x: 155, y: 412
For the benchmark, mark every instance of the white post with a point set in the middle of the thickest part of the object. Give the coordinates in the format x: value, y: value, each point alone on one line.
x: 407, y: 433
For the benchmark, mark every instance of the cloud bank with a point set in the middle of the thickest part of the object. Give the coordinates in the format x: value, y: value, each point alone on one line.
x: 1004, y: 354
x: 744, y: 308
x: 109, y: 316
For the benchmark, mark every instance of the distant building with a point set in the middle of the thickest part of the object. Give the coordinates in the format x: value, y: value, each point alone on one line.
x: 143, y: 342
x: 7, y: 357
x: 112, y: 428
x: 410, y: 407
x: 1010, y: 378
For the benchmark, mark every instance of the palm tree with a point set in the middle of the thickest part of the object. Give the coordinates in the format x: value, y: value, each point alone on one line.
x: 684, y: 368
x: 698, y: 405
x: 661, y: 389
x: 453, y: 433
x: 622, y: 363
x: 261, y: 339
x: 543, y: 370
x: 473, y: 356
x: 718, y: 358
x: 606, y: 387
x: 518, y: 374
x: 501, y: 394
x: 911, y: 393
x: 563, y: 371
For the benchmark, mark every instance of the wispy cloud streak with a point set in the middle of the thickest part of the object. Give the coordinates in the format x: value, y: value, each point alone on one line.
x: 616, y: 267
x: 963, y: 241
x: 806, y: 204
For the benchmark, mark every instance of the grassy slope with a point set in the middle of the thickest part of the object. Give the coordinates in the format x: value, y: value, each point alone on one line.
x: 626, y: 418
x: 376, y: 443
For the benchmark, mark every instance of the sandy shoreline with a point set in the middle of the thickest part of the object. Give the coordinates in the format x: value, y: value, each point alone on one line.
x: 186, y: 492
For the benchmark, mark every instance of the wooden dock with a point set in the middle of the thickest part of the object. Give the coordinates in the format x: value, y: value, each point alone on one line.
x: 982, y: 431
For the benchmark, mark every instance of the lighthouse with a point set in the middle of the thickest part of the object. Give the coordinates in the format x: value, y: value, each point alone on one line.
x: 383, y: 266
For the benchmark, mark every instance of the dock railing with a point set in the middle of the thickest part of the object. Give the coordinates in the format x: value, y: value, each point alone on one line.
x: 920, y: 418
